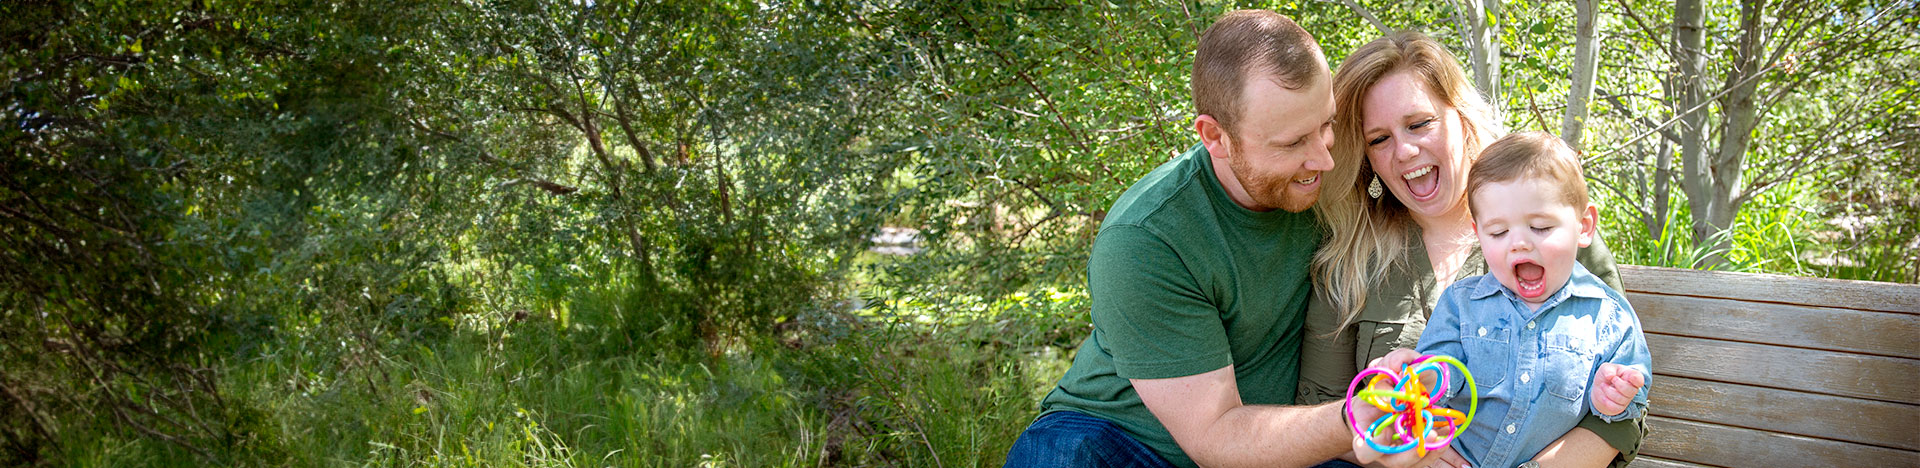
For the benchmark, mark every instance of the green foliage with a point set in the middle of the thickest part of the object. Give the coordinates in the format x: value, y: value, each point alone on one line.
x: 196, y: 180
x: 134, y: 134
x: 618, y: 232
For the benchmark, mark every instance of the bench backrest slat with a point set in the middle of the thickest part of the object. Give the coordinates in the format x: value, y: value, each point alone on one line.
x: 1719, y: 445
x: 1851, y: 375
x: 1790, y: 412
x: 1820, y: 292
x: 1846, y: 330
x: 1647, y: 461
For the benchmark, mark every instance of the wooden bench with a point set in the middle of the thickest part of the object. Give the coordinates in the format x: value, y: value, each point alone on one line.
x: 1778, y: 371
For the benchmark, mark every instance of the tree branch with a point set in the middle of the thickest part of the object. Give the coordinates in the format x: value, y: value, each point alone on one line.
x: 542, y: 184
x: 1058, y: 116
x: 1618, y: 105
x: 1366, y: 15
x: 1640, y: 25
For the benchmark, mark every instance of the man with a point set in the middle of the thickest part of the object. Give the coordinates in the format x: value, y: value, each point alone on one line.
x: 1199, y: 278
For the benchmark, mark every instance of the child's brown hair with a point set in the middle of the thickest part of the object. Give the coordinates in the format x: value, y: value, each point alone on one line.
x: 1530, y: 155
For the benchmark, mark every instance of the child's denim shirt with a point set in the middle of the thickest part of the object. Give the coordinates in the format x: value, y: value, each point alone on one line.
x: 1533, y: 367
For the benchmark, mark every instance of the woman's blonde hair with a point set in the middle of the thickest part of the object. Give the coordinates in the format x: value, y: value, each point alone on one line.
x: 1366, y: 237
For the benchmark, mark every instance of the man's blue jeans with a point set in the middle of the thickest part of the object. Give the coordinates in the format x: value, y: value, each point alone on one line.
x: 1069, y: 439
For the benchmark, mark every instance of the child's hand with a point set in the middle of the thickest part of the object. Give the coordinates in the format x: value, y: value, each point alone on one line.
x: 1614, y: 386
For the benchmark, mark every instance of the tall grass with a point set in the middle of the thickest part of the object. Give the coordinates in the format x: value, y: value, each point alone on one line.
x: 908, y: 380
x: 1774, y: 233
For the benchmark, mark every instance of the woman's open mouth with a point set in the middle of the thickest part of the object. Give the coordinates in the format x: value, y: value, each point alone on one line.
x: 1422, y: 182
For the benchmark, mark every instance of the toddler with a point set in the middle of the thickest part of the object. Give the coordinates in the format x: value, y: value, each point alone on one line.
x: 1547, y: 341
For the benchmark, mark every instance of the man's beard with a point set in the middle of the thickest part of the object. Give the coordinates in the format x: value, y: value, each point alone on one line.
x: 1268, y: 191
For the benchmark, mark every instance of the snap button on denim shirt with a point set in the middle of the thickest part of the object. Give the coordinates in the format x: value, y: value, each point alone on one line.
x: 1533, y: 367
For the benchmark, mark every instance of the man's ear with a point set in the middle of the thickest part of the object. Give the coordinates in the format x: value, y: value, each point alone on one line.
x: 1212, y: 135
x: 1589, y: 224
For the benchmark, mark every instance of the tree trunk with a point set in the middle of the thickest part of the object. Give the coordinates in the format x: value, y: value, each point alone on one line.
x: 1483, y: 48
x: 1585, y: 63
x: 1685, y: 91
x: 1739, y: 115
x: 1662, y: 190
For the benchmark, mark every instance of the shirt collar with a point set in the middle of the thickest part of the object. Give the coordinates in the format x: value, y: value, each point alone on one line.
x: 1487, y: 285
x: 1584, y: 284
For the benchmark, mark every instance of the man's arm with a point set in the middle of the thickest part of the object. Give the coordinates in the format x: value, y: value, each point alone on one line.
x: 1207, y: 419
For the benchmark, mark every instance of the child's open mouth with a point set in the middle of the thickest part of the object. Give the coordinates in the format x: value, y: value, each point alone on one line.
x: 1531, y: 279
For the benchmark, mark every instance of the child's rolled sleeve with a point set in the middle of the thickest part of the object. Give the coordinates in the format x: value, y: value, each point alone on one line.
x: 1630, y: 350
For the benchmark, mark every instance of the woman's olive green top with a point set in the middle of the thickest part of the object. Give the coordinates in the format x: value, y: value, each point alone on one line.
x: 1396, y: 312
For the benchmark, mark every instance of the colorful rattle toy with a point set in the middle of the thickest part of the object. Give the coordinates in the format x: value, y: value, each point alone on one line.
x: 1413, y: 420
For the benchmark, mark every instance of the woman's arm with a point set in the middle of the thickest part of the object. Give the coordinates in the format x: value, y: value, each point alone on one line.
x: 1599, y: 261
x: 1579, y: 448
x: 1595, y: 442
x: 1326, y: 357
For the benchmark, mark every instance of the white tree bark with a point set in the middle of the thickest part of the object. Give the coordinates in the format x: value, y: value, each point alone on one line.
x: 1585, y: 63
x: 1483, y: 48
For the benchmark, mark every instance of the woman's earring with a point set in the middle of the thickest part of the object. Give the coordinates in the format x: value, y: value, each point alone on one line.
x: 1373, y: 188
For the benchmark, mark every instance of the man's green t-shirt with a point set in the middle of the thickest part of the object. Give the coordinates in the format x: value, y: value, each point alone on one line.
x: 1183, y: 282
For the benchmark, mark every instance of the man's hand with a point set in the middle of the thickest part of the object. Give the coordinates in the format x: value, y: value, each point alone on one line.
x: 1445, y: 457
x: 1614, y: 387
x: 1395, y: 359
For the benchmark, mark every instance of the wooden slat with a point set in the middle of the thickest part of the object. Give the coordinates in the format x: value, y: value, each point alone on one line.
x: 1808, y: 327
x: 1644, y: 461
x: 1862, y: 295
x: 1864, y: 421
x: 1711, y: 444
x: 1861, y: 376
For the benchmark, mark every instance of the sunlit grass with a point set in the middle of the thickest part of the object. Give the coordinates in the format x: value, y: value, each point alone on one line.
x: 910, y: 380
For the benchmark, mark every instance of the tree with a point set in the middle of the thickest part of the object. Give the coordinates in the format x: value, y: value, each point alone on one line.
x: 1783, y: 56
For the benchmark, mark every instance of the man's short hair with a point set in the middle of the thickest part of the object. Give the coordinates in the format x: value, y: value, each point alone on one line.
x: 1248, y: 43
x: 1530, y: 155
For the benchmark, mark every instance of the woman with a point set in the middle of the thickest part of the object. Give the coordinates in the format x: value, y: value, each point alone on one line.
x: 1408, y: 126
